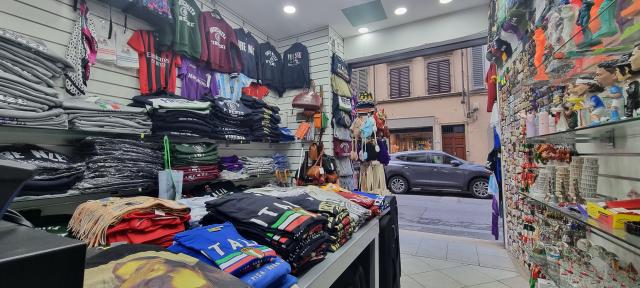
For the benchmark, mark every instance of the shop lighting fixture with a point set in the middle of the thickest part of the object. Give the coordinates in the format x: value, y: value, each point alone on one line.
x: 400, y: 11
x: 445, y: 1
x: 363, y: 30
x: 289, y: 9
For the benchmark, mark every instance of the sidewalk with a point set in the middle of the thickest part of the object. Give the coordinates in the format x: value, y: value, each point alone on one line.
x: 441, y: 261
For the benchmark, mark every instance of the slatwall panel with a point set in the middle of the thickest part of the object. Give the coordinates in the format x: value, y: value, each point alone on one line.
x: 51, y: 21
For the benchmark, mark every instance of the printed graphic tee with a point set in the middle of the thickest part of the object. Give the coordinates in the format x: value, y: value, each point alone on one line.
x: 186, y: 41
x: 157, y: 68
x: 126, y: 57
x: 231, y: 87
x: 248, y: 47
x: 197, y: 80
x: 295, y: 73
x: 219, y: 45
x: 270, y: 67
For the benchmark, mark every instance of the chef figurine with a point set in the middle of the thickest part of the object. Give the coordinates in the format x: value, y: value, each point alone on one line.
x: 598, y: 110
x: 633, y: 99
x: 578, y: 97
x: 606, y: 76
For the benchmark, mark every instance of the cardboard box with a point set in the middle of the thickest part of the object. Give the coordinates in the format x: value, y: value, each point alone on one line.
x: 614, y: 218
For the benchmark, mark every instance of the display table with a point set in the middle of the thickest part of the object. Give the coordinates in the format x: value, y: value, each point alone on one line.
x: 326, y: 272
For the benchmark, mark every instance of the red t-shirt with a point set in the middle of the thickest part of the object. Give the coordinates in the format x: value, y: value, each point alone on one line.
x: 157, y: 68
x: 256, y: 90
x: 491, y: 80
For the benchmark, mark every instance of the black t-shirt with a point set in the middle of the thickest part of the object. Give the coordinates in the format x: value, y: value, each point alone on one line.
x: 270, y: 67
x: 295, y: 73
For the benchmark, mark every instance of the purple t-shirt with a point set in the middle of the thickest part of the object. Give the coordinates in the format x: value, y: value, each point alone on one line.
x: 197, y: 80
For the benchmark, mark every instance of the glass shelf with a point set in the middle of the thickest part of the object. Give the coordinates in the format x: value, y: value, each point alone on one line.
x: 619, y: 236
x: 604, y: 133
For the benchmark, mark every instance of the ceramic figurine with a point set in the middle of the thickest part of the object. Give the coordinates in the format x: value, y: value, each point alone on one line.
x: 598, y: 110
x: 583, y: 20
x: 633, y: 99
x: 606, y: 77
x: 578, y: 94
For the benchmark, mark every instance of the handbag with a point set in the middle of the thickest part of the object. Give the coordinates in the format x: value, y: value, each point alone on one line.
x: 308, y: 99
x: 316, y: 172
x: 302, y: 130
x: 342, y: 148
x: 320, y: 120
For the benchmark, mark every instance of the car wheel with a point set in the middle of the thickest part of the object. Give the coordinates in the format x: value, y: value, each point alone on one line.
x: 480, y: 188
x: 398, y: 184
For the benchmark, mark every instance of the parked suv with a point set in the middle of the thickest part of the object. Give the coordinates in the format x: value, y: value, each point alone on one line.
x: 436, y: 170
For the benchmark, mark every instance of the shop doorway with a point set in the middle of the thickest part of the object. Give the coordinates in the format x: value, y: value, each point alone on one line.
x: 454, y: 141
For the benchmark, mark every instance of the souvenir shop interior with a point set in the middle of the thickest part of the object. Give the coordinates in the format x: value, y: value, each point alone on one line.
x: 568, y: 91
x: 174, y: 144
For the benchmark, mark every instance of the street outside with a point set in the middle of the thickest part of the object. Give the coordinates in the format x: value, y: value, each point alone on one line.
x: 446, y: 213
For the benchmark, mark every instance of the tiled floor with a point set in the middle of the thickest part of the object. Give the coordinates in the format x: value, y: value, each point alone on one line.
x: 440, y: 261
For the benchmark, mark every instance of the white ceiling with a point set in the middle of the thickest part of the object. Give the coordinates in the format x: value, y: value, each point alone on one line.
x: 313, y: 14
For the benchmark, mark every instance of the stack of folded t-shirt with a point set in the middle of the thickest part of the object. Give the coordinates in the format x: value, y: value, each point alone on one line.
x: 175, y: 116
x: 120, y: 165
x: 27, y: 97
x: 255, y: 166
x: 231, y: 120
x: 55, y: 173
x: 231, y: 163
x: 221, y: 246
x: 297, y: 235
x: 264, y: 120
x: 280, y: 162
x: 99, y: 115
x: 136, y: 220
x: 286, y: 135
x: 197, y: 161
x: 363, y: 201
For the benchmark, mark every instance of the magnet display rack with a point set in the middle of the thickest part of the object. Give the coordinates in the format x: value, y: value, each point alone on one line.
x: 605, y: 133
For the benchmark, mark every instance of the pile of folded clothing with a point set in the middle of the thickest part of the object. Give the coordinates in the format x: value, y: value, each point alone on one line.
x: 264, y: 120
x: 27, y: 97
x: 136, y: 220
x: 256, y: 166
x: 361, y: 200
x: 358, y: 214
x: 197, y: 161
x: 55, y: 172
x: 120, y: 165
x: 280, y: 162
x: 133, y: 265
x: 231, y: 120
x: 297, y: 235
x: 286, y: 135
x: 175, y: 116
x: 208, y: 189
x: 221, y: 246
x: 231, y: 163
x: 99, y: 115
x: 338, y: 220
x: 378, y: 200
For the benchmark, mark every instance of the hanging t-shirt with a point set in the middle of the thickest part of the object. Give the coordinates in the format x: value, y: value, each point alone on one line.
x: 270, y: 67
x: 256, y: 90
x: 197, y: 80
x: 231, y: 87
x: 248, y: 46
x: 157, y: 68
x: 126, y: 57
x: 492, y: 91
x: 219, y: 45
x: 106, y: 46
x: 295, y: 73
x: 186, y: 41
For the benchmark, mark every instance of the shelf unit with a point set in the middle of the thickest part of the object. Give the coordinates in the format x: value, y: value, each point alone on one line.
x: 605, y: 133
x: 618, y: 236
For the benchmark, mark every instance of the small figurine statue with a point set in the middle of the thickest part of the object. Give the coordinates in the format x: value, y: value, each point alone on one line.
x: 633, y: 98
x: 606, y: 76
x: 578, y: 94
x: 598, y: 110
x: 570, y: 116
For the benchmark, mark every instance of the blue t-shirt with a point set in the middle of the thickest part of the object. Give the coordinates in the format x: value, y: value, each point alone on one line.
x: 268, y: 275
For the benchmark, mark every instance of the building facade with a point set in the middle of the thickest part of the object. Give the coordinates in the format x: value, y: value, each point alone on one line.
x: 434, y: 102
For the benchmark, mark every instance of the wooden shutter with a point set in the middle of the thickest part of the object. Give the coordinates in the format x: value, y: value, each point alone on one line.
x: 399, y: 82
x: 478, y: 67
x: 359, y: 80
x: 438, y: 77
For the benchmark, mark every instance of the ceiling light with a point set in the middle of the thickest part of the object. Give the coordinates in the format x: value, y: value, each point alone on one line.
x: 400, y: 11
x: 363, y: 30
x: 445, y: 1
x: 289, y: 9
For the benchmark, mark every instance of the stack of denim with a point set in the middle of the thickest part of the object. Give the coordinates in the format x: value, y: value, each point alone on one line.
x: 175, y: 116
x: 98, y: 115
x: 231, y: 163
x: 231, y: 120
x: 264, y: 120
x: 27, y: 70
x: 120, y: 165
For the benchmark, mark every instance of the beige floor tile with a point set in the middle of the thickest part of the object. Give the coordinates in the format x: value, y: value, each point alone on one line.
x: 433, y: 249
x: 462, y: 252
x: 491, y: 285
x: 440, y: 264
x: 408, y: 282
x: 467, y: 275
x: 515, y: 282
x: 436, y: 279
x: 413, y: 265
x: 493, y: 261
x: 496, y: 274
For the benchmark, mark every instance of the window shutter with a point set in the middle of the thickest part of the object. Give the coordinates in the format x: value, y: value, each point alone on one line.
x: 438, y: 77
x: 478, y: 67
x: 359, y: 80
x: 399, y: 82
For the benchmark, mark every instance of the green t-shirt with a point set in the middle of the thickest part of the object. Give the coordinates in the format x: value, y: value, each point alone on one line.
x: 187, y: 38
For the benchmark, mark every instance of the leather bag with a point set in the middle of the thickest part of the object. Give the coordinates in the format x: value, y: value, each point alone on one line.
x: 308, y: 99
